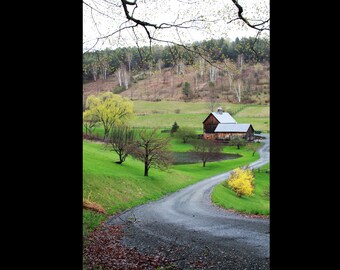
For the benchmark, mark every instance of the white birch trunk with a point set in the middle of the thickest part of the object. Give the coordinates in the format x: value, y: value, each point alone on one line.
x: 94, y: 73
x: 196, y: 83
x: 238, y: 91
x: 202, y: 68
x: 119, y: 77
x: 126, y: 79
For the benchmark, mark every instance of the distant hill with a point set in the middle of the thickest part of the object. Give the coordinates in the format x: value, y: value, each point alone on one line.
x: 190, y: 84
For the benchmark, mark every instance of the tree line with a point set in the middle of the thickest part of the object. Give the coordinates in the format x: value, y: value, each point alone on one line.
x: 122, y: 61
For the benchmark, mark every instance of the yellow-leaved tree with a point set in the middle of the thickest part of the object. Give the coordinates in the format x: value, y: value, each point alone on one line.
x: 89, y: 121
x: 110, y: 109
x: 241, y: 181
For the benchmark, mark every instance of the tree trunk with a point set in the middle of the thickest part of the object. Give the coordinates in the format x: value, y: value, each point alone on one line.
x: 146, y: 169
x: 106, y: 133
x: 104, y: 72
x: 126, y: 79
x: 196, y: 84
x: 204, y: 163
x: 94, y: 73
x: 119, y: 77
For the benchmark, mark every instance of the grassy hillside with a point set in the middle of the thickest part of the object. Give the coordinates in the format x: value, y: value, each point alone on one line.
x: 119, y: 187
x: 142, y: 107
x: 191, y: 114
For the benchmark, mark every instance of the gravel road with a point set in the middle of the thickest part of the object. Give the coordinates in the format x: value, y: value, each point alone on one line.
x: 187, y: 228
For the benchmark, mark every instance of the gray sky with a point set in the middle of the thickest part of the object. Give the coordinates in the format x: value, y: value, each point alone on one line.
x: 105, y: 19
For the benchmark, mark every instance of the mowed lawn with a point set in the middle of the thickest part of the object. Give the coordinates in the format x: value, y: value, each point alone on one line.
x: 119, y: 187
x: 258, y: 203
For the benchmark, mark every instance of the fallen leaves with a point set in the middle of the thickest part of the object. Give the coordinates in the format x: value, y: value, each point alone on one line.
x: 103, y: 250
x: 88, y: 204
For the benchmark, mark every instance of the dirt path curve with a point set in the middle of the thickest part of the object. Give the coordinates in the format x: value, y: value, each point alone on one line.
x: 195, y: 234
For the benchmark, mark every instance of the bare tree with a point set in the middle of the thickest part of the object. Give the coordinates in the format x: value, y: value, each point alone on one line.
x: 212, y: 74
x: 152, y: 149
x: 206, y: 149
x: 119, y: 75
x: 121, y: 140
x: 129, y: 58
x: 160, y: 64
x: 212, y: 96
x: 103, y: 59
x: 234, y: 76
x: 237, y: 141
x: 126, y: 78
x: 238, y: 88
x: 253, y: 146
x: 123, y: 76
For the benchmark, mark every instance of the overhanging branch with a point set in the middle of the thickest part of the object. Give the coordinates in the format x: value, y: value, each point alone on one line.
x: 254, y: 26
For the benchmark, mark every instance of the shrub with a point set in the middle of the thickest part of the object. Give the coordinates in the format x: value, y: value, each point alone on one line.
x: 174, y: 128
x: 187, y: 91
x: 186, y: 134
x: 241, y: 181
x: 118, y: 89
x: 266, y: 194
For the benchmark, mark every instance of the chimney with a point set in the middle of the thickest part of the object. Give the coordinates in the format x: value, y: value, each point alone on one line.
x: 219, y: 110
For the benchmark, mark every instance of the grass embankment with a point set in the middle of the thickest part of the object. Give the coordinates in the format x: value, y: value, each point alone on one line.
x: 258, y: 203
x: 119, y: 187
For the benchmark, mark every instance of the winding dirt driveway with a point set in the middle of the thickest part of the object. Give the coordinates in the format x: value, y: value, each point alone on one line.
x: 186, y: 227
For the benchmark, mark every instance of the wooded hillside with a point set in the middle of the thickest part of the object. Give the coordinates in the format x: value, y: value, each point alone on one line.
x: 236, y: 72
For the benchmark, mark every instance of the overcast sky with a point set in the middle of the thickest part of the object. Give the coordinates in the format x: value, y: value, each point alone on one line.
x: 107, y: 17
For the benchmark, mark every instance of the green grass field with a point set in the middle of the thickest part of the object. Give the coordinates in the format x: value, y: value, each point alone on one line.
x: 120, y: 187
x: 192, y: 114
x: 161, y: 115
x: 254, y: 111
x: 169, y: 107
x: 165, y: 121
x: 258, y: 203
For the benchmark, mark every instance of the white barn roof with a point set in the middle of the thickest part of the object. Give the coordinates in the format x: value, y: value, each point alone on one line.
x: 232, y: 127
x: 224, y: 118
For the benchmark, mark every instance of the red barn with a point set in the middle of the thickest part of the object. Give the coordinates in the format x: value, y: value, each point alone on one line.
x: 221, y: 125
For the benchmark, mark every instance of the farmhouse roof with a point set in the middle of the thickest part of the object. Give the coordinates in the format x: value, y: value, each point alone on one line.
x: 232, y: 127
x: 224, y: 118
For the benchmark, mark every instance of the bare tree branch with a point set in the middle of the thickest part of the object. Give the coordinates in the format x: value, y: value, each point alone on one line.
x: 255, y: 26
x: 98, y: 11
x: 129, y: 3
x: 107, y: 36
x: 195, y: 22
